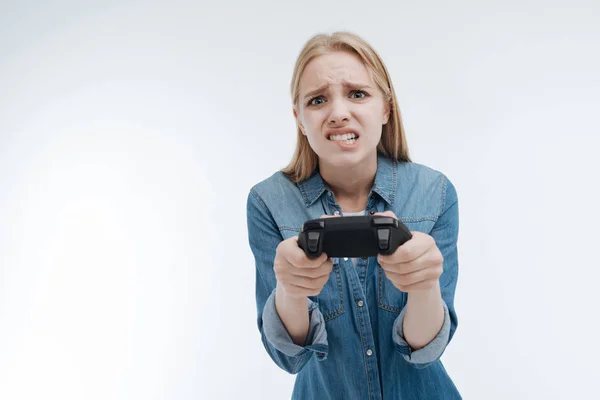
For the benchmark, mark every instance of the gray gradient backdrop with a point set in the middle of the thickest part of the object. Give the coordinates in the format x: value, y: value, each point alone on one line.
x: 131, y: 132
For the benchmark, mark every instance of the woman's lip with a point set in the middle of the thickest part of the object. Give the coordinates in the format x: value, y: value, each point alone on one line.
x: 339, y: 131
x: 341, y: 134
x: 342, y: 144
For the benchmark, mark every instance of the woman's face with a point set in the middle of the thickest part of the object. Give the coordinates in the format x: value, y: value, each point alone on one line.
x: 340, y: 109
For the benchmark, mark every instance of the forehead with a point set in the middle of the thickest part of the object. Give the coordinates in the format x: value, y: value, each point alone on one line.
x: 334, y: 69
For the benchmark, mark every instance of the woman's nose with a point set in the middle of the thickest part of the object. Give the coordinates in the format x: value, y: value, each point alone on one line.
x: 339, y: 112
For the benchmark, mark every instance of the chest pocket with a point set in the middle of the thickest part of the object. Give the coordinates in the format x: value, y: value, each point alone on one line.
x: 390, y: 298
x: 330, y: 300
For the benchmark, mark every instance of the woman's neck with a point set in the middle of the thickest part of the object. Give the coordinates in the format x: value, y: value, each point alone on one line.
x: 351, y: 185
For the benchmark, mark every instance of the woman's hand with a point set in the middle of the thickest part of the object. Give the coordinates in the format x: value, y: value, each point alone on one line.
x: 298, y: 275
x: 416, y: 265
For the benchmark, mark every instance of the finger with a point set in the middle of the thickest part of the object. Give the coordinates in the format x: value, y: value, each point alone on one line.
x: 297, y: 257
x: 414, y: 277
x: 387, y: 213
x: 301, y: 260
x: 404, y: 268
x: 323, y: 270
x: 431, y: 258
x: 411, y: 250
x: 308, y: 283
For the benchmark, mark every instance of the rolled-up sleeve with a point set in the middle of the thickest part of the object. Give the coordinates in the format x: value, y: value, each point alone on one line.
x: 432, y: 351
x: 279, y: 338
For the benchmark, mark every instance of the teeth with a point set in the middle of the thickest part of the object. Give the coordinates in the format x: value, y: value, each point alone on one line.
x: 346, y: 136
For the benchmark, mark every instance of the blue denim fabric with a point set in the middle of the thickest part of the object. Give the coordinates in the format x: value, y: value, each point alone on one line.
x: 355, y: 347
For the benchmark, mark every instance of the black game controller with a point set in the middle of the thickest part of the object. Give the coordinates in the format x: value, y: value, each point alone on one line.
x: 355, y: 236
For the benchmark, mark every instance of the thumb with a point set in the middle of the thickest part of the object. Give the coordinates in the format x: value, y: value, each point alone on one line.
x: 387, y: 213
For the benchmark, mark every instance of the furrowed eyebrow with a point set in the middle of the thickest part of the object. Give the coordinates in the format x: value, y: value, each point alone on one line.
x: 350, y: 85
x: 314, y: 92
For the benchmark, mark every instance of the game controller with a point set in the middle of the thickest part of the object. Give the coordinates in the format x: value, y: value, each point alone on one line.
x: 354, y: 236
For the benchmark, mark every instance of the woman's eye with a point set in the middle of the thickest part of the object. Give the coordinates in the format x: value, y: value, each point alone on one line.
x: 362, y: 94
x: 312, y: 101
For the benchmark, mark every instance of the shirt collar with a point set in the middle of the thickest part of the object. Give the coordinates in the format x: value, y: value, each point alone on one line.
x: 385, y: 182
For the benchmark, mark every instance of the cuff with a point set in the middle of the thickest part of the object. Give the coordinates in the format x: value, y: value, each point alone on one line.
x: 280, y: 339
x: 425, y: 355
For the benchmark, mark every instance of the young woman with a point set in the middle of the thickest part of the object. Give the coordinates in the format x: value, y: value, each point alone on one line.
x: 369, y: 328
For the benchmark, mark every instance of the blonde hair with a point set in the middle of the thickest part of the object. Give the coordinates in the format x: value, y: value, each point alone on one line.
x: 393, y: 140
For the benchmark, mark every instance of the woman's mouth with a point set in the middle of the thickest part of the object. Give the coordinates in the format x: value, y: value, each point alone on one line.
x: 346, y: 138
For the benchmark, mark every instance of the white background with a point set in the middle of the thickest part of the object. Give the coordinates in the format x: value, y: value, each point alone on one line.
x: 131, y: 132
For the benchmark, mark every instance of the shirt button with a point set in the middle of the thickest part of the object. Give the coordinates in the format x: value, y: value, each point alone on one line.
x: 369, y: 352
x: 336, y: 212
x: 345, y: 258
x: 365, y: 258
x: 360, y: 303
x: 371, y: 212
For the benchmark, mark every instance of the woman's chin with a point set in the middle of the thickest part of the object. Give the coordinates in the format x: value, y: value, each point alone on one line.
x: 345, y: 159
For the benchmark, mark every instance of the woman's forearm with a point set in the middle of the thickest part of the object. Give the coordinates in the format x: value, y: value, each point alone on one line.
x: 293, y: 312
x: 424, y: 317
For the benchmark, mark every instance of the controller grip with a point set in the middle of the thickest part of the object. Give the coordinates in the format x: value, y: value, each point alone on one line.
x: 313, y: 248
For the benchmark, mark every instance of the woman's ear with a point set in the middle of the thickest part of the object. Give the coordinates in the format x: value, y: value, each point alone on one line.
x: 300, y: 126
x: 386, y: 113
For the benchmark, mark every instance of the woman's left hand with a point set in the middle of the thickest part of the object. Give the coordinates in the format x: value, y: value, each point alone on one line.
x: 414, y: 266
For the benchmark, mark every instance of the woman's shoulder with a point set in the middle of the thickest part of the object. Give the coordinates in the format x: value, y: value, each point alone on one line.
x: 419, y: 171
x: 276, y: 180
x: 277, y: 186
x: 415, y: 174
x: 278, y: 196
x: 425, y: 188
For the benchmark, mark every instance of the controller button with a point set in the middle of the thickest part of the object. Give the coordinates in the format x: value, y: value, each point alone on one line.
x: 310, y: 225
x: 383, y: 221
x: 313, y: 241
x: 384, y: 238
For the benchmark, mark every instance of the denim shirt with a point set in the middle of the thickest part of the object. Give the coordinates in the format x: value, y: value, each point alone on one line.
x: 355, y: 347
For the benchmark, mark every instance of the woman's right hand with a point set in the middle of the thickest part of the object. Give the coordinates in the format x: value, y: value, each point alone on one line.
x: 298, y: 275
